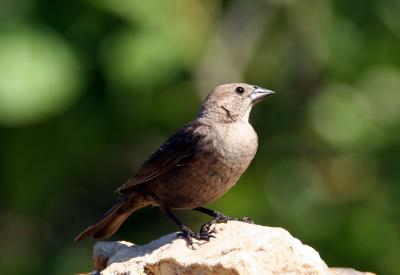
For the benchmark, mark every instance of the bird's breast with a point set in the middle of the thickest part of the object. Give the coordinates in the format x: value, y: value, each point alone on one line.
x: 221, y: 158
x: 236, y: 143
x: 230, y: 152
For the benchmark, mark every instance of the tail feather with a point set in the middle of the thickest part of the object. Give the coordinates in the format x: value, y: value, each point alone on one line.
x: 112, y: 219
x: 112, y: 226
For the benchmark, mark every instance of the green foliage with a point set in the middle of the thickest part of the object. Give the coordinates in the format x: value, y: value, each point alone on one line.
x: 88, y: 89
x: 40, y: 75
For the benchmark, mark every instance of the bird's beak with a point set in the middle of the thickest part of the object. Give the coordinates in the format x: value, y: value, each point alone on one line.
x: 259, y: 93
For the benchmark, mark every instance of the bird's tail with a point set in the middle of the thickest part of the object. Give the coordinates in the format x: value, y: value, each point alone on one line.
x: 113, y: 218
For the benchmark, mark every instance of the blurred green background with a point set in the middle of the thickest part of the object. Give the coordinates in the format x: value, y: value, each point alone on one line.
x: 88, y: 89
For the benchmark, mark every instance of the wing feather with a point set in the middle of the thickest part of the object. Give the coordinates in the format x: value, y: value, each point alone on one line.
x: 175, y: 152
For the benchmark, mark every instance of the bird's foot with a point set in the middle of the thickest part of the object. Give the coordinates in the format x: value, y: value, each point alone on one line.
x: 223, y: 218
x: 245, y: 219
x: 188, y: 235
x: 206, y: 228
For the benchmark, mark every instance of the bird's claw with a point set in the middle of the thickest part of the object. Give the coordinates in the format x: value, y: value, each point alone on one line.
x: 206, y: 232
x: 206, y: 229
x: 223, y: 218
x: 188, y: 235
x: 246, y: 220
x: 205, y: 236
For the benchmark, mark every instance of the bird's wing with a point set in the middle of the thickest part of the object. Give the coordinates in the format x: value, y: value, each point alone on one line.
x: 175, y: 152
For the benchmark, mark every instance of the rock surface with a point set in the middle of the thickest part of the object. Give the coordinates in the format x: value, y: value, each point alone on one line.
x: 238, y: 248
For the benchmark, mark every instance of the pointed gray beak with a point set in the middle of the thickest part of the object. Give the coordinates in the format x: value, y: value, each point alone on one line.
x: 259, y: 93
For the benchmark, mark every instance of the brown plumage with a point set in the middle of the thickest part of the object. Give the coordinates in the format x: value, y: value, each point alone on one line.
x: 195, y: 166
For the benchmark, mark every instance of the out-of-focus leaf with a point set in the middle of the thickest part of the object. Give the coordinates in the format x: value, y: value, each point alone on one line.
x: 139, y: 61
x: 342, y: 116
x: 40, y: 76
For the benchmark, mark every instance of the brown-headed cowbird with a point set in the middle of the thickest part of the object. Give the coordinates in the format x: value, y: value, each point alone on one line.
x: 195, y: 166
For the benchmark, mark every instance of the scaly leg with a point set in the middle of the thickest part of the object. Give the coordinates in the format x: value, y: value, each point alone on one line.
x: 186, y: 232
x: 218, y: 217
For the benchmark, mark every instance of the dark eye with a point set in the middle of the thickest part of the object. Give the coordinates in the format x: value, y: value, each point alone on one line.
x: 239, y: 90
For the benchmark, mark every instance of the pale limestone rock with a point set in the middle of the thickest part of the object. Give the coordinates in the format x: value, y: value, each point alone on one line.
x: 348, y: 271
x: 239, y: 248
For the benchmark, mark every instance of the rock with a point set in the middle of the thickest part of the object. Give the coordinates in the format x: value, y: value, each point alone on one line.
x: 238, y: 248
x: 348, y: 271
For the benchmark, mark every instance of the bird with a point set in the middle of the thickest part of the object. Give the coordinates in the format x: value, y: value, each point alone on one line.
x: 195, y: 166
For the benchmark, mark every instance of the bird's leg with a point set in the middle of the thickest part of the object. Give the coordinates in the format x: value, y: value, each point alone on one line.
x: 218, y: 217
x: 186, y: 232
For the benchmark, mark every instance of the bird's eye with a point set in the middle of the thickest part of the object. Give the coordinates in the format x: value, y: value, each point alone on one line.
x: 239, y: 90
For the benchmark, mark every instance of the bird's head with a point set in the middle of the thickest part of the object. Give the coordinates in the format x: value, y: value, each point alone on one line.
x: 232, y: 102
